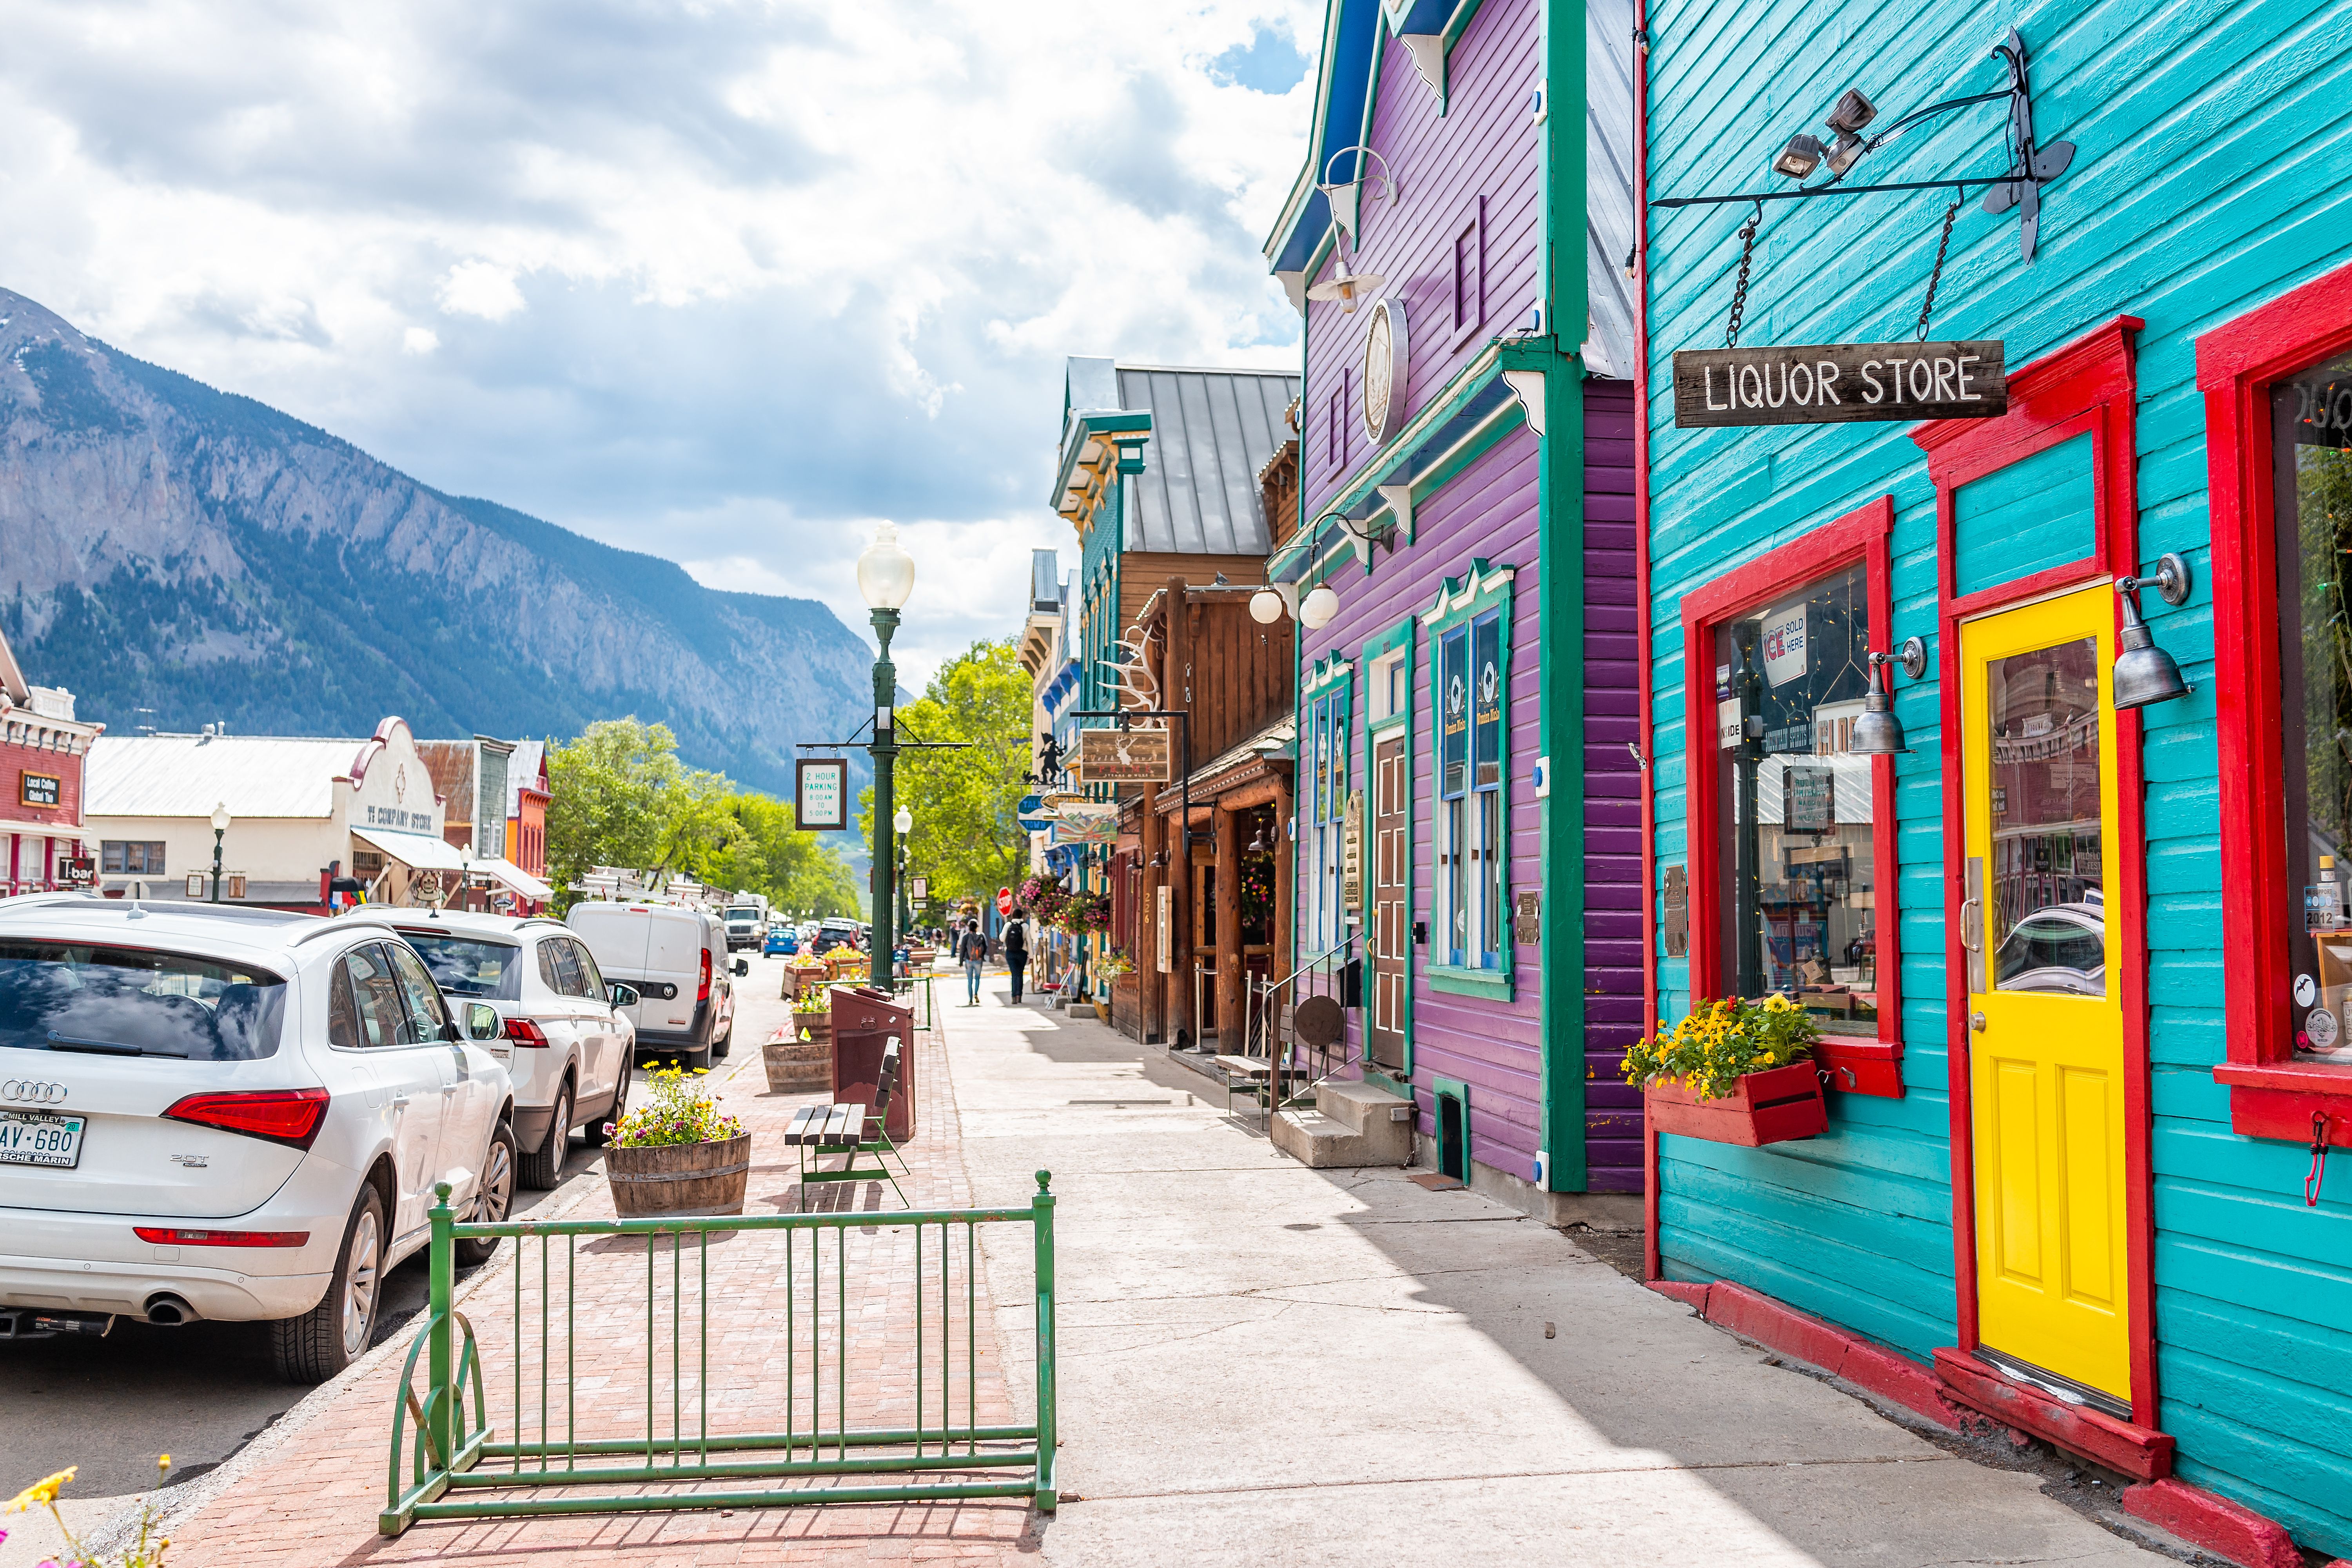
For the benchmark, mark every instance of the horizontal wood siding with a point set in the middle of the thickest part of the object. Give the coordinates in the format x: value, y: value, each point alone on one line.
x: 1485, y: 144
x: 1612, y: 795
x: 2214, y: 173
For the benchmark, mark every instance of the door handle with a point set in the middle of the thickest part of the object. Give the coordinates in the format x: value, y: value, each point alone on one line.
x: 398, y: 1100
x: 1977, y: 1021
x: 1972, y: 924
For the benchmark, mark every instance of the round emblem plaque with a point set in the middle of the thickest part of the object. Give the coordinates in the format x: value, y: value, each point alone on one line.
x: 1384, y: 369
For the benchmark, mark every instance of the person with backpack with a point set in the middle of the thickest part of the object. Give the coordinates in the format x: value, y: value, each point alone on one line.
x: 972, y: 948
x: 1016, y: 950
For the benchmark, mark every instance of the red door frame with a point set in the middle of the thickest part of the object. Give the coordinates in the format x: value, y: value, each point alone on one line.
x: 2091, y: 385
x: 1870, y: 1066
x: 2272, y: 1095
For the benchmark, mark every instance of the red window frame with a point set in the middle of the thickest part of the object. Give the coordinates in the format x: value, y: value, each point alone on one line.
x: 1856, y: 1065
x: 2271, y: 1094
x: 2089, y: 386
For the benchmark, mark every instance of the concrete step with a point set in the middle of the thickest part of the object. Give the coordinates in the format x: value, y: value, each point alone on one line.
x: 1350, y: 1127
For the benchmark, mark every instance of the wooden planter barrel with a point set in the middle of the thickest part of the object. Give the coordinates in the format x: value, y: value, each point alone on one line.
x: 795, y: 1065
x: 1775, y: 1106
x: 680, y: 1178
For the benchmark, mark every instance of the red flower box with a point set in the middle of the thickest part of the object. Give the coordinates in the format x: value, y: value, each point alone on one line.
x: 1769, y: 1107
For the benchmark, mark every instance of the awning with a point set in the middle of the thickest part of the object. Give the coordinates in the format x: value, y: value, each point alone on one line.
x: 418, y: 851
x: 517, y: 880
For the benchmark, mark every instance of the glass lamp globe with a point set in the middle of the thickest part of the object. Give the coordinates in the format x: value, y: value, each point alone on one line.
x: 1266, y: 606
x: 1315, y: 610
x: 904, y: 822
x: 886, y: 572
x: 221, y: 818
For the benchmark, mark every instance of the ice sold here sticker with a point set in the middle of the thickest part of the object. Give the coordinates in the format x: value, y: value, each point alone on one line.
x: 1786, y: 653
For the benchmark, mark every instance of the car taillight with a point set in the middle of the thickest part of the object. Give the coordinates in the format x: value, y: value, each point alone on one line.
x: 288, y: 1116
x: 702, y: 992
x: 165, y: 1236
x: 523, y: 1032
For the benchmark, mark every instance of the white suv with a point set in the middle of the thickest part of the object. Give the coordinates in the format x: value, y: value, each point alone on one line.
x: 565, y: 1037
x: 231, y: 1113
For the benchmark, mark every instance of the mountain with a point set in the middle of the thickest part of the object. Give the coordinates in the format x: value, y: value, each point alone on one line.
x: 165, y: 546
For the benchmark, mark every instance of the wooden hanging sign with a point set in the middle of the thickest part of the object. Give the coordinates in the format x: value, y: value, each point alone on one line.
x: 1837, y: 384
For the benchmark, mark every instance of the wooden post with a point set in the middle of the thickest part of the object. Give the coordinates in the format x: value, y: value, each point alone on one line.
x: 1282, y: 959
x: 1150, y: 992
x: 1176, y: 692
x: 1232, y: 1027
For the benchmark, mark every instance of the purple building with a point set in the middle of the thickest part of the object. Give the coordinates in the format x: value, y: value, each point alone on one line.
x: 1468, y: 846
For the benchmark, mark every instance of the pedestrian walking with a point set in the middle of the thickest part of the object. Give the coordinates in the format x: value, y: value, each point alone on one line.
x: 1016, y: 951
x: 972, y: 948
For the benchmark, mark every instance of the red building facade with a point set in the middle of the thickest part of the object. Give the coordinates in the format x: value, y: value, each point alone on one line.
x: 42, y: 750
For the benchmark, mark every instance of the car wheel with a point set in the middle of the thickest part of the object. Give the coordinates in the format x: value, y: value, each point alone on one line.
x: 596, y: 1135
x: 496, y: 1200
x: 332, y: 1335
x: 543, y: 1167
x: 724, y: 1043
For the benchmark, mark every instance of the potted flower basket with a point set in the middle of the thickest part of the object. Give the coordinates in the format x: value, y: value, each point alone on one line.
x: 798, y: 1061
x: 677, y: 1153
x: 1734, y: 1071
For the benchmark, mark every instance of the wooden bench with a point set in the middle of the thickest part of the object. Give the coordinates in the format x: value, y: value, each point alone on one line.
x: 852, y: 1128
x: 1254, y: 1073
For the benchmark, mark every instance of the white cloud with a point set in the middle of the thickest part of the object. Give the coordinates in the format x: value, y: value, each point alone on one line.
x: 723, y: 282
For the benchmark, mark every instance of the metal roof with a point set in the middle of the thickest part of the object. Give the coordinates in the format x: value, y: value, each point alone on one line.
x: 1608, y: 186
x: 186, y: 776
x: 522, y: 771
x: 1212, y: 431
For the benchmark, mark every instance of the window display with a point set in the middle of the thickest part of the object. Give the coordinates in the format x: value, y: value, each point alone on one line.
x: 2311, y: 421
x: 1798, y: 875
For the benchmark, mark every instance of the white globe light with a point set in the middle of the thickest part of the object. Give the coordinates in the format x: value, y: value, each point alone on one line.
x: 1266, y: 606
x: 1315, y: 610
x: 904, y: 822
x: 886, y: 572
x: 221, y: 818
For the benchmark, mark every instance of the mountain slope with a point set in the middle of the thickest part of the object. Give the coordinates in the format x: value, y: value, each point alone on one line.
x: 165, y: 546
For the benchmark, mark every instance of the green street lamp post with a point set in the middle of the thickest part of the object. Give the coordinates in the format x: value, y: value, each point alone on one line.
x: 221, y: 820
x: 885, y: 577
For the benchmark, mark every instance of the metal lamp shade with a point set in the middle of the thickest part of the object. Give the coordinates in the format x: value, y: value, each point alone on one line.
x: 2144, y: 673
x: 1878, y: 733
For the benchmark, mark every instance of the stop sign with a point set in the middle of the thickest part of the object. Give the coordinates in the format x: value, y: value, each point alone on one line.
x: 1003, y: 900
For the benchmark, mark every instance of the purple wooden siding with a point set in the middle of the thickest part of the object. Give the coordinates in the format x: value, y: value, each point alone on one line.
x: 1485, y: 146
x: 1613, y: 794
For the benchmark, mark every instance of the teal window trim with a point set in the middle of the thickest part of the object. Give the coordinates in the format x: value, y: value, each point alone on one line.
x: 1326, y: 713
x: 1375, y: 648
x: 1461, y: 602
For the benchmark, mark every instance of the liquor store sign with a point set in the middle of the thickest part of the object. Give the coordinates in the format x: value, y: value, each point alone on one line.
x: 1837, y: 383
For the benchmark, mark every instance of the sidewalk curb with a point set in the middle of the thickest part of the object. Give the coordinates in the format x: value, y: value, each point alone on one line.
x: 179, y: 1503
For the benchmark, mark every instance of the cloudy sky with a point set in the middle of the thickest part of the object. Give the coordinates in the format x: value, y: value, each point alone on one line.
x: 721, y: 281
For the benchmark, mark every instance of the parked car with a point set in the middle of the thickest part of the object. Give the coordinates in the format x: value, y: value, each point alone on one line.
x: 831, y: 935
x: 232, y: 1113
x: 782, y: 939
x: 565, y: 1033
x: 676, y: 959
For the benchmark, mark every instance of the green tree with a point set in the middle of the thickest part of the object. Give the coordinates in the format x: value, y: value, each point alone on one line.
x: 967, y: 839
x: 768, y: 854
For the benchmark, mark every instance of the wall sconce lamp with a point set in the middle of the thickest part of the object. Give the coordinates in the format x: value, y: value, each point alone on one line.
x: 2144, y: 672
x: 1878, y: 733
x: 1314, y: 609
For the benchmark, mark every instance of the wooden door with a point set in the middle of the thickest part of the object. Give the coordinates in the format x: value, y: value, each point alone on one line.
x: 1391, y: 938
x: 2045, y: 1015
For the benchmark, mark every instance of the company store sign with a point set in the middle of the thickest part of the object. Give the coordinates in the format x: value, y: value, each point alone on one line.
x: 1837, y: 384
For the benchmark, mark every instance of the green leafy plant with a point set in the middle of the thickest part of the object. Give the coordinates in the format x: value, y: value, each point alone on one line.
x: 1719, y: 1042
x: 813, y: 999
x: 146, y: 1552
x: 1114, y: 964
x: 679, y: 1110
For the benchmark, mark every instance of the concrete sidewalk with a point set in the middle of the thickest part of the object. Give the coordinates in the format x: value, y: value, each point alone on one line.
x: 1265, y: 1364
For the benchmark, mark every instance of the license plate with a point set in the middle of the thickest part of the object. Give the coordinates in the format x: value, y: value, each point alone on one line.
x: 40, y: 1138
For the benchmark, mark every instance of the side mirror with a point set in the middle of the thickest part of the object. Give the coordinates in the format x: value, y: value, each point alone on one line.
x: 482, y: 1021
x: 742, y: 967
x: 624, y: 995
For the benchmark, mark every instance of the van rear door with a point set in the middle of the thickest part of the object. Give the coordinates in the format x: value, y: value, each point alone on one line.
x: 674, y: 953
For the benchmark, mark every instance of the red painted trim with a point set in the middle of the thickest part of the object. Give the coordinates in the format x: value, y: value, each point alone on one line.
x: 1861, y: 1066
x: 2090, y: 384
x: 2236, y: 364
x: 2139, y: 1451
x: 2197, y: 1516
x: 1651, y: 1269
x: 1860, y: 535
x: 1754, y: 1316
x: 1691, y: 1295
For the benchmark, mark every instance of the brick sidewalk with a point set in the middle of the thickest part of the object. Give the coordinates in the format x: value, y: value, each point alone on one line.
x: 314, y: 1499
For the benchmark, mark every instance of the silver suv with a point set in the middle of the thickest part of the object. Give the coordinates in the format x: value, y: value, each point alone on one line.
x: 564, y: 1035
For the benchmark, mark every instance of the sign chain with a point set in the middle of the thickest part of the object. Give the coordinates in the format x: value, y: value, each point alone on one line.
x: 1740, y: 289
x: 1928, y: 306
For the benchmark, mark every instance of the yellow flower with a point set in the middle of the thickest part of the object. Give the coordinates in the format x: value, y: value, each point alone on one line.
x: 40, y: 1492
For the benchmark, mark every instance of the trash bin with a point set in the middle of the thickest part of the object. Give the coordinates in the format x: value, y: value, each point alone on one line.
x: 866, y: 1022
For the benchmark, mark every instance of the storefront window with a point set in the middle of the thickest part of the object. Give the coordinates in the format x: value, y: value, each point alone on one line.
x: 2048, y: 910
x: 2311, y: 420
x: 1798, y: 885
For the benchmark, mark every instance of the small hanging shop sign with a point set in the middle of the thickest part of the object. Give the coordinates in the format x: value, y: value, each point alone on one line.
x: 1837, y: 383
x: 1136, y: 756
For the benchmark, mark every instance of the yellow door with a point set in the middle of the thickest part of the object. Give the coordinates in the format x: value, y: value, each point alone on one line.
x: 2046, y: 1022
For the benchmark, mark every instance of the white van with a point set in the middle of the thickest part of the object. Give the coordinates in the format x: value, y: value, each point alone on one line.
x: 674, y: 958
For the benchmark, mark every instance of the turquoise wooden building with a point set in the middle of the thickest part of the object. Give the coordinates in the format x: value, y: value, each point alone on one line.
x: 2083, y: 952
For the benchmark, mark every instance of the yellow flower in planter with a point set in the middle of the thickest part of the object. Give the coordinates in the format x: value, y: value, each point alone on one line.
x: 1719, y: 1042
x: 41, y: 1492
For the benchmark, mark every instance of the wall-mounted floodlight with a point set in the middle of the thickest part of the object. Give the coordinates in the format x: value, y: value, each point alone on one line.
x: 1800, y: 158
